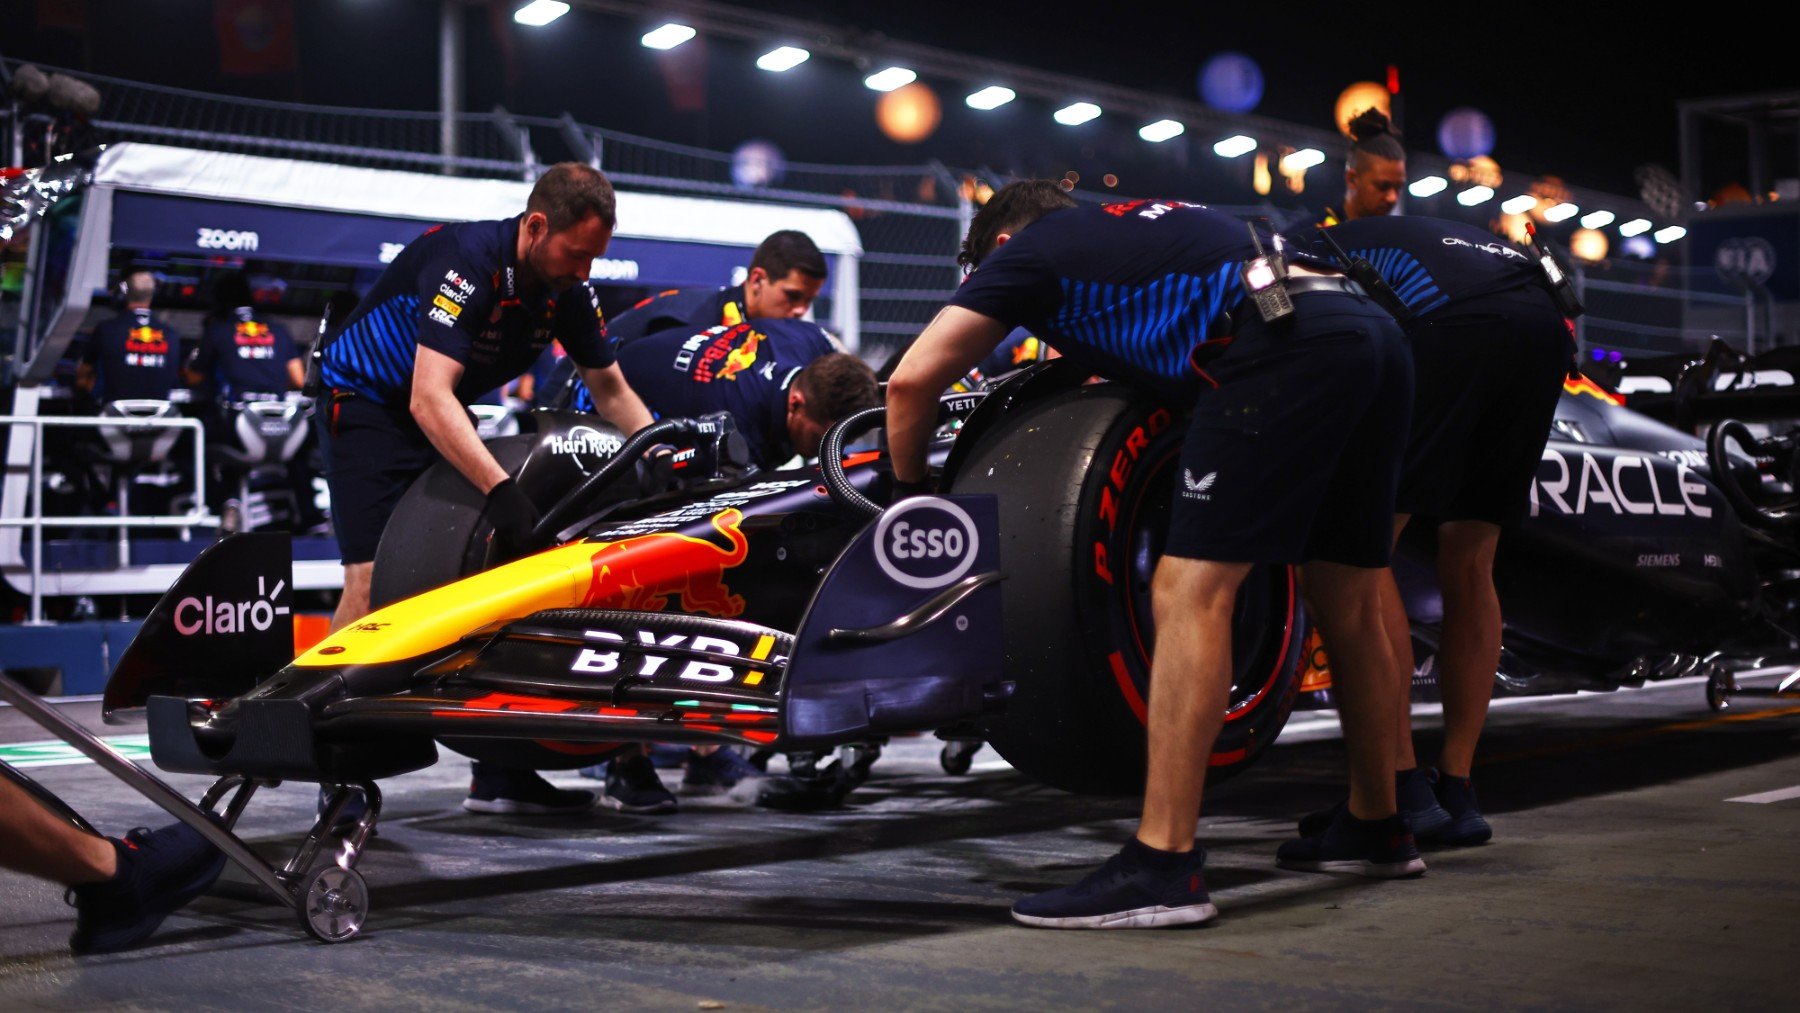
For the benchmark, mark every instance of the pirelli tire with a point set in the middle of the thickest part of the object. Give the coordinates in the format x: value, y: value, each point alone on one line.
x: 1085, y: 480
x: 435, y: 534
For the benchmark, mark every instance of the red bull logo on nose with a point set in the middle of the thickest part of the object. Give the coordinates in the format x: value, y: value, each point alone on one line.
x: 643, y: 572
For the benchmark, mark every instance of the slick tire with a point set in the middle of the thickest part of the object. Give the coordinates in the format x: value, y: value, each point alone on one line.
x: 1085, y: 480
x: 436, y: 533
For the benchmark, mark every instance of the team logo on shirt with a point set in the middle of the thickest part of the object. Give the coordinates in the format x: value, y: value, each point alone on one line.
x: 719, y: 353
x: 1198, y: 488
x: 146, y: 346
x: 254, y: 340
x: 1149, y: 210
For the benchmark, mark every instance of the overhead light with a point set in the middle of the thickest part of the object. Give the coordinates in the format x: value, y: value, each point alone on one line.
x: 1596, y: 219
x: 1160, y: 131
x: 1668, y: 235
x: 1562, y: 212
x: 1076, y: 114
x: 538, y: 13
x: 1305, y: 158
x: 1430, y: 186
x: 1235, y: 145
x: 992, y: 97
x: 891, y: 78
x: 668, y: 36
x: 1475, y: 195
x: 783, y: 58
x: 1518, y: 205
x: 1637, y: 226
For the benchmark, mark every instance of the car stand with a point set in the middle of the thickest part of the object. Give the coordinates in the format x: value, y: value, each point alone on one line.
x: 331, y: 903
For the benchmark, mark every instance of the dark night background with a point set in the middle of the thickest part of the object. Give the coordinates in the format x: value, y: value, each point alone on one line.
x: 1583, y: 94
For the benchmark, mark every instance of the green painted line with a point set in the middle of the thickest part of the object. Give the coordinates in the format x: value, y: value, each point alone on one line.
x: 56, y: 753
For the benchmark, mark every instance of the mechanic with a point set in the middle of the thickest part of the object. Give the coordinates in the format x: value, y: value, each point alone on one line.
x: 1290, y: 458
x: 240, y: 350
x: 133, y: 355
x: 1490, y: 350
x: 786, y: 272
x: 123, y: 887
x: 1374, y: 172
x: 784, y: 382
x: 462, y: 309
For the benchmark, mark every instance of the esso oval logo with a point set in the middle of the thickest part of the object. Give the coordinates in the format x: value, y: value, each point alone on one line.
x: 926, y: 542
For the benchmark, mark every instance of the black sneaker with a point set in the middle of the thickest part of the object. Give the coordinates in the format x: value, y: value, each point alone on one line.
x: 1465, y: 826
x: 1138, y: 888
x: 1418, y: 806
x: 158, y: 872
x: 633, y: 787
x: 1383, y: 849
x: 718, y: 772
x: 503, y: 790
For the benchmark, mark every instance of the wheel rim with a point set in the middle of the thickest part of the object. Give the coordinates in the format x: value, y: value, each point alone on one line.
x: 337, y: 901
x: 1146, y: 532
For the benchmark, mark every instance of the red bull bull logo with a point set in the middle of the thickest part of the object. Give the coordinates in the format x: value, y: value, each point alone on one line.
x: 643, y: 572
x: 147, y: 340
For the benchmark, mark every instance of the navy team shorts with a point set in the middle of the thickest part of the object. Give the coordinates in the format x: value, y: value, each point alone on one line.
x: 372, y: 454
x: 1294, y: 451
x: 1489, y: 373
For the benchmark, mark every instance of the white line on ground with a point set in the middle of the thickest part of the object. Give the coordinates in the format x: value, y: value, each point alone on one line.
x: 1778, y: 795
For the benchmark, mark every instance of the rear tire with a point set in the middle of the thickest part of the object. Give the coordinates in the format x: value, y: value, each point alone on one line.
x: 1085, y: 480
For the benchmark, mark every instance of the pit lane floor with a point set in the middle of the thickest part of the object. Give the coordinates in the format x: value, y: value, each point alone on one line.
x: 1645, y: 858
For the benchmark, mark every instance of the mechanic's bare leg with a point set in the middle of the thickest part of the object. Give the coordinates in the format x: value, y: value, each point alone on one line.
x: 1399, y: 633
x: 37, y: 842
x: 1349, y: 603
x: 1190, y: 686
x: 1470, y: 651
x: 354, y: 603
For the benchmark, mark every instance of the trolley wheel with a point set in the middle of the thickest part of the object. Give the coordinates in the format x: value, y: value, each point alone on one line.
x: 1718, y: 690
x: 337, y: 903
x: 958, y: 756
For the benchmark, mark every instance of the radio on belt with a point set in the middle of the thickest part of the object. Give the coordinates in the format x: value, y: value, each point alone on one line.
x: 1561, y: 288
x: 1365, y: 274
x: 1264, y: 278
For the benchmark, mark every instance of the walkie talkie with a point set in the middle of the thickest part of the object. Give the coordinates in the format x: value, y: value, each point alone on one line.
x: 1264, y: 278
x: 1561, y: 288
x: 1364, y: 273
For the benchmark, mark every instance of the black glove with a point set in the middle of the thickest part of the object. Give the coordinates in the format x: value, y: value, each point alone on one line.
x: 512, y: 515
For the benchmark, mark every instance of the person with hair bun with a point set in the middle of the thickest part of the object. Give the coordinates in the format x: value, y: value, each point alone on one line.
x: 1375, y: 170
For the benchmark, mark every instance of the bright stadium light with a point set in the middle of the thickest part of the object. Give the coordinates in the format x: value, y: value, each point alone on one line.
x: 667, y: 36
x: 1596, y: 219
x: 891, y: 78
x: 1562, y: 212
x: 1305, y: 158
x: 538, y: 13
x: 1234, y: 146
x: 1668, y: 235
x: 1430, y: 186
x: 1635, y: 227
x: 1475, y: 195
x: 1518, y: 205
x: 1075, y: 115
x: 1160, y: 131
x: 783, y: 58
x: 992, y: 97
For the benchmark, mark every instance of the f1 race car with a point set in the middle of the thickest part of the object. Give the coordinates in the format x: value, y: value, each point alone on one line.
x: 692, y: 599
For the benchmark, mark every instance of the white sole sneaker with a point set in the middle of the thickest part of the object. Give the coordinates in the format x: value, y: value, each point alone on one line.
x: 656, y: 807
x: 515, y: 807
x: 1154, y: 917
x: 1361, y: 867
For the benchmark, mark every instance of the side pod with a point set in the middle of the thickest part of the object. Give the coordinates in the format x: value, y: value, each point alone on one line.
x: 903, y: 634
x: 223, y: 627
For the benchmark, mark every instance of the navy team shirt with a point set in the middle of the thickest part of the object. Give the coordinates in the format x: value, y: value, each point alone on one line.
x: 687, y: 309
x: 246, y: 355
x: 1128, y: 290
x: 745, y: 370
x: 456, y: 290
x: 1433, y: 264
x: 134, y: 356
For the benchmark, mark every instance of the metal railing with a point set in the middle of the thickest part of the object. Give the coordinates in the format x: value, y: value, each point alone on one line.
x: 38, y: 522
